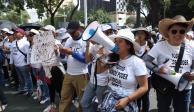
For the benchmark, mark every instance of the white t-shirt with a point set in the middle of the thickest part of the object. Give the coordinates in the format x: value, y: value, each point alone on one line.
x: 142, y: 50
x: 16, y: 57
x: 8, y: 45
x: 163, y: 51
x: 141, y: 53
x: 75, y: 67
x: 122, y: 77
x: 102, y: 78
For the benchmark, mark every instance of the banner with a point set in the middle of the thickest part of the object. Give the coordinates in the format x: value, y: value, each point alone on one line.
x: 43, y: 49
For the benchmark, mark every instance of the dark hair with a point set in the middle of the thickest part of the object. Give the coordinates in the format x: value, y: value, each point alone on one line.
x: 179, y: 24
x: 131, y: 50
x: 147, y: 35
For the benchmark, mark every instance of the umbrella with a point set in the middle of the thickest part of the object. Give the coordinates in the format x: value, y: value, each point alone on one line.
x: 29, y: 26
x: 7, y: 24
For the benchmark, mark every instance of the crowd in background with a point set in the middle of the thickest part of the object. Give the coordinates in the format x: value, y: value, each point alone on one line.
x: 86, y: 74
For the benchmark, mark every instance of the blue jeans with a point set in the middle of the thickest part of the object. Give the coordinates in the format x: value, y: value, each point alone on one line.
x: 89, y: 94
x: 2, y: 79
x: 180, y: 100
x: 41, y: 82
x: 25, y: 80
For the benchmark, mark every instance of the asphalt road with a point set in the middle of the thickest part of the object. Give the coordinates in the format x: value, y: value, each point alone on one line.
x: 21, y: 103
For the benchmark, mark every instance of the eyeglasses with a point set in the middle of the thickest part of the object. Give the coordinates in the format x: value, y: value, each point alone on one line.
x: 174, y: 32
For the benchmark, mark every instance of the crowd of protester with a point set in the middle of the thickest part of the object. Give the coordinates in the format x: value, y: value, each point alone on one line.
x: 83, y: 78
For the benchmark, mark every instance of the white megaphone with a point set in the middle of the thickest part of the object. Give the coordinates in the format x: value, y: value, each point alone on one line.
x: 178, y: 80
x: 94, y: 33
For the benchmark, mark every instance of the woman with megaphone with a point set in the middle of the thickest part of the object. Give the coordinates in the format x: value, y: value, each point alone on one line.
x: 174, y: 69
x: 124, y: 77
x: 95, y: 55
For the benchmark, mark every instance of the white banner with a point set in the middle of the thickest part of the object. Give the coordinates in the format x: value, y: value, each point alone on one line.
x: 43, y: 49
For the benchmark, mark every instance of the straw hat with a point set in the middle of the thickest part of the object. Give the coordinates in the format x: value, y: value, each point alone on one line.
x: 165, y: 23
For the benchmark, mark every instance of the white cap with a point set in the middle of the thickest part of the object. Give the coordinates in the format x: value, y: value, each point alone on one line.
x: 5, y: 30
x: 11, y: 32
x: 190, y: 33
x: 105, y: 27
x: 49, y: 28
x: 62, y: 34
x: 35, y: 31
x: 128, y: 35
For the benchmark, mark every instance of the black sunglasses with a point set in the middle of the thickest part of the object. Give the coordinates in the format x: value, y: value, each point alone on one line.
x: 174, y: 32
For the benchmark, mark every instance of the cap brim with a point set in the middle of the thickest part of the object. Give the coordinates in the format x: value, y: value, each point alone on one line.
x: 70, y: 31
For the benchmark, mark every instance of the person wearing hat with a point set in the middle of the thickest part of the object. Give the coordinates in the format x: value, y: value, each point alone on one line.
x: 114, y: 27
x: 56, y: 71
x: 4, y: 33
x: 168, y: 51
x: 76, y: 77
x: 37, y: 72
x: 98, y: 74
x: 142, y: 37
x: 6, y: 50
x: 18, y: 57
x: 108, y: 29
x: 124, y: 77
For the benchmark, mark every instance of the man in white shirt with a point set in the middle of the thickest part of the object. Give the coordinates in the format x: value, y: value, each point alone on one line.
x: 76, y: 78
x: 18, y: 57
x: 5, y: 41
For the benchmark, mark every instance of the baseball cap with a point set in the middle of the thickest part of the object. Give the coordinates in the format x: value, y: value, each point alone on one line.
x: 72, y: 26
x: 5, y: 30
x: 34, y: 31
x: 11, y: 32
x: 20, y: 31
x: 105, y: 27
x: 49, y: 28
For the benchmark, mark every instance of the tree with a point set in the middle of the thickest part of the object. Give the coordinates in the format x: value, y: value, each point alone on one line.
x: 49, y: 6
x: 99, y: 15
x: 181, y: 7
x: 14, y: 17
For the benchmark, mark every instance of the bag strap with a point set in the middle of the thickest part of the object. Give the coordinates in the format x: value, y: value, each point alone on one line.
x: 20, y: 50
x: 180, y: 57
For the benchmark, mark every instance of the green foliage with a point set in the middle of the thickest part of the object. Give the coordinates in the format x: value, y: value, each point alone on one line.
x: 15, y: 17
x: 50, y: 7
x: 191, y: 4
x: 181, y: 7
x: 99, y: 15
x: 130, y: 20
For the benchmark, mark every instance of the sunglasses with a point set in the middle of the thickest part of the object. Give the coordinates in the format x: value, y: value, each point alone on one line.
x: 174, y: 32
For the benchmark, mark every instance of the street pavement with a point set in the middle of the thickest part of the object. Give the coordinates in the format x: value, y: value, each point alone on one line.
x: 21, y: 103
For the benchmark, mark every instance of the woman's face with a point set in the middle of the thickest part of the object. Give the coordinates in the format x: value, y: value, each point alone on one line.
x: 11, y: 38
x: 176, y: 34
x: 123, y: 46
x: 140, y: 36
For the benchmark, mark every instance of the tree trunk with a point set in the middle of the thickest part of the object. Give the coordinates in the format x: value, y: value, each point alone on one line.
x: 52, y: 20
x: 156, y: 11
x: 138, y: 7
x: 73, y: 11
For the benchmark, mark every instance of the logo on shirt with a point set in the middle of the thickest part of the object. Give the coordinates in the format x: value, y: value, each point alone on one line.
x: 118, y: 75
